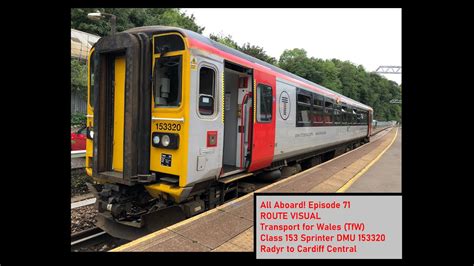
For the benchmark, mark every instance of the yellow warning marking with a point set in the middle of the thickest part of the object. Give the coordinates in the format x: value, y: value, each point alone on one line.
x: 255, y: 101
x: 193, y: 64
x: 164, y: 230
x: 223, y: 98
x: 366, y: 168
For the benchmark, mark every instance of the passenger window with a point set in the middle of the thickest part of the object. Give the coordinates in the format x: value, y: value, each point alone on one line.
x: 344, y: 115
x: 328, y: 112
x: 206, y: 90
x: 167, y: 81
x: 264, y: 103
x: 303, y: 109
x: 318, y: 115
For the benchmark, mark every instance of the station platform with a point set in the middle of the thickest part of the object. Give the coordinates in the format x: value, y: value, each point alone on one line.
x: 384, y: 175
x: 229, y: 227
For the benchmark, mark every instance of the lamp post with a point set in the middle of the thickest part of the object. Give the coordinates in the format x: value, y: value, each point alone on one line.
x: 98, y: 16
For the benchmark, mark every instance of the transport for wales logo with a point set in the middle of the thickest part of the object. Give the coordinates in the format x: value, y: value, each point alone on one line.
x: 285, y: 105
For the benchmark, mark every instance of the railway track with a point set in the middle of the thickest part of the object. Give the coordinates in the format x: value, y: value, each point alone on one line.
x: 94, y: 239
x: 83, y: 203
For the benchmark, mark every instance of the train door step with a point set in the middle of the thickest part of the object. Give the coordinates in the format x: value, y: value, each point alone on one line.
x: 172, y: 180
x: 113, y: 174
x: 229, y: 179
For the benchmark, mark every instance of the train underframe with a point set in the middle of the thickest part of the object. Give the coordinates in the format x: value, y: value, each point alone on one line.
x: 129, y: 212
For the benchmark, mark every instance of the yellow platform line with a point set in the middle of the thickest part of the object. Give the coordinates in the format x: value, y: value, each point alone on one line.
x: 351, y: 181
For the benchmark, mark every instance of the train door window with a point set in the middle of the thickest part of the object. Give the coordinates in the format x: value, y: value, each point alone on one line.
x: 207, y: 77
x: 91, y: 79
x: 167, y: 81
x: 303, y: 108
x: 318, y: 112
x: 328, y: 111
x: 264, y: 103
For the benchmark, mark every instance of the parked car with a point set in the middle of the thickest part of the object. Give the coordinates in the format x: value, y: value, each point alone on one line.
x: 78, y: 139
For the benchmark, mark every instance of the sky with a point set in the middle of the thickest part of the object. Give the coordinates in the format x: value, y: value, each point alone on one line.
x: 368, y: 37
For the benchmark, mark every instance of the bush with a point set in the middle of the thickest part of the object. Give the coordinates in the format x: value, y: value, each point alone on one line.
x: 78, y: 119
x: 79, y: 77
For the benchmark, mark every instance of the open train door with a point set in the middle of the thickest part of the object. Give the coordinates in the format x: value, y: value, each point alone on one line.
x: 263, y: 136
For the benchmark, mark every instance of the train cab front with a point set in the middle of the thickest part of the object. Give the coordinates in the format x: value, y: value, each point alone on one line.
x: 137, y: 135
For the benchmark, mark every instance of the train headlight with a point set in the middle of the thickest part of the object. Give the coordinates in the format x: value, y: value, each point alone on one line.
x: 165, y: 140
x: 156, y: 139
x: 90, y: 133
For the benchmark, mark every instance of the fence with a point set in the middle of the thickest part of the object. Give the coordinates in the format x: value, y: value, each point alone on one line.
x: 78, y: 103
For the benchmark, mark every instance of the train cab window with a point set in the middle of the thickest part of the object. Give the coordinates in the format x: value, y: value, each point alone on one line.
x: 91, y: 79
x: 303, y: 109
x: 168, y: 43
x: 167, y: 81
x: 264, y: 103
x: 318, y: 110
x: 207, y: 77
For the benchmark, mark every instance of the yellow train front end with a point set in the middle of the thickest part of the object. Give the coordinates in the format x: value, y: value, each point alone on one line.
x: 137, y: 130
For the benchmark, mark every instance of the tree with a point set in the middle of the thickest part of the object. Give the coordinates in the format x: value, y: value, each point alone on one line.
x: 79, y: 77
x: 329, y: 74
x: 343, y: 77
x: 132, y: 17
x: 297, y: 62
x: 225, y: 40
x: 257, y: 52
x: 247, y: 48
x: 348, y: 79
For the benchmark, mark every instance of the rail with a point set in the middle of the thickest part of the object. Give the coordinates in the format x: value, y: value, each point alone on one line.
x: 78, y: 154
x: 86, y: 235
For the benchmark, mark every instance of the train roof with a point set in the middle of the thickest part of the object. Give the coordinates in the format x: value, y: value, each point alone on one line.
x: 191, y: 34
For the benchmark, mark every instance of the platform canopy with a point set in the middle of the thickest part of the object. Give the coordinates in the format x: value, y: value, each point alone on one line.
x: 81, y: 43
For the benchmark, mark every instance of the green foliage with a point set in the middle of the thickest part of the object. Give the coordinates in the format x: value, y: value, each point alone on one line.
x: 79, y: 77
x: 225, y: 40
x: 132, y: 17
x: 78, y: 119
x: 247, y: 48
x: 257, y: 52
x: 297, y: 62
x: 348, y: 79
x: 341, y: 76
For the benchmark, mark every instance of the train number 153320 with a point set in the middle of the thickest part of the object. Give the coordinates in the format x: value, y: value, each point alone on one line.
x: 168, y: 126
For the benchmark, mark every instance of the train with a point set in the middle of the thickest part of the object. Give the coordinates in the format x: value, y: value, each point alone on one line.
x: 178, y: 123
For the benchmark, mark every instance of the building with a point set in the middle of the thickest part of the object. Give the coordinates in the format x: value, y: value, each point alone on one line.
x: 81, y: 43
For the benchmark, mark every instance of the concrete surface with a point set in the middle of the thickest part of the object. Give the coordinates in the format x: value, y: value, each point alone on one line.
x: 385, y: 175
